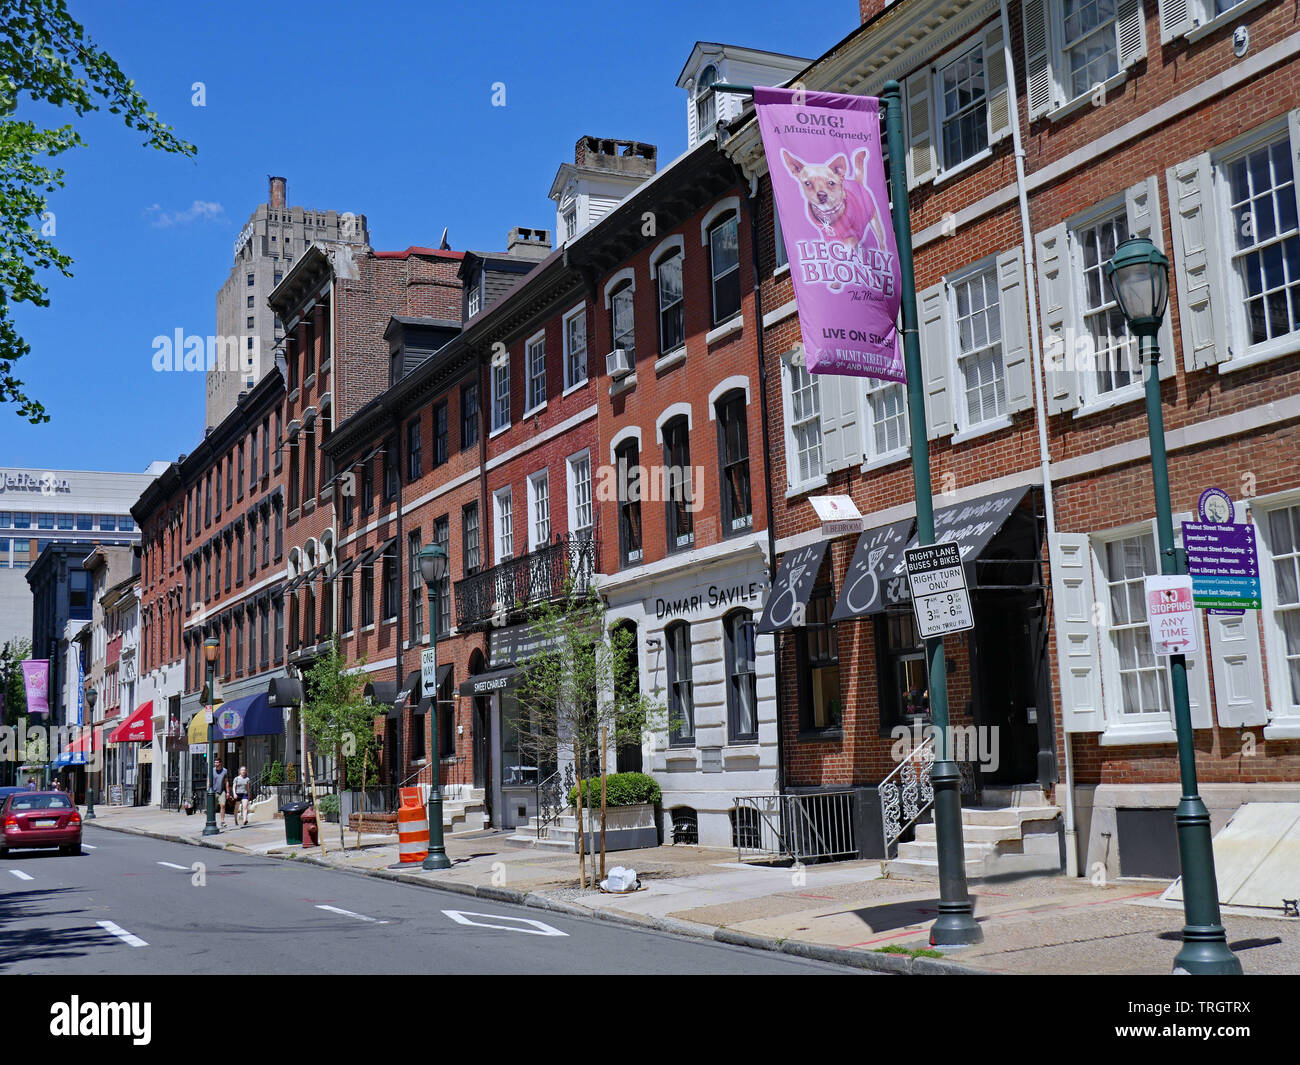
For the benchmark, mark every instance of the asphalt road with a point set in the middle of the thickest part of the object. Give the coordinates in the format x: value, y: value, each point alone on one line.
x: 130, y: 905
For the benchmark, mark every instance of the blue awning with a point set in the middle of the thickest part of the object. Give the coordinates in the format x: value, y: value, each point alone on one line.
x: 253, y: 715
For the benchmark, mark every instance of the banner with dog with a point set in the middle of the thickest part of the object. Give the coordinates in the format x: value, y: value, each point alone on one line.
x: 828, y: 179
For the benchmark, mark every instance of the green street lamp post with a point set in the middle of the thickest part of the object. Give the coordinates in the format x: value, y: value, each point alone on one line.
x: 956, y: 925
x: 92, y: 697
x: 210, y: 647
x: 433, y: 568
x: 1138, y: 274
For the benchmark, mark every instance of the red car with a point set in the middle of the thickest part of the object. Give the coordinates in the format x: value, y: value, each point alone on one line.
x: 40, y: 819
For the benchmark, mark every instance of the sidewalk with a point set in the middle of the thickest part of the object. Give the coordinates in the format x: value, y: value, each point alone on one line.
x: 842, y: 911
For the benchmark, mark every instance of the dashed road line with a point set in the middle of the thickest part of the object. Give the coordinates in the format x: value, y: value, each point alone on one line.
x: 21, y: 875
x: 349, y: 913
x: 122, y: 934
x: 173, y: 865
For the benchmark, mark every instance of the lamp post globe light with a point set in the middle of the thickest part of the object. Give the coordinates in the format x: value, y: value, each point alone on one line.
x: 92, y: 697
x: 433, y: 568
x: 210, y: 647
x: 1138, y: 275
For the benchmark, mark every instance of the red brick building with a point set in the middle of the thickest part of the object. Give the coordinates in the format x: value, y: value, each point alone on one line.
x: 1162, y: 120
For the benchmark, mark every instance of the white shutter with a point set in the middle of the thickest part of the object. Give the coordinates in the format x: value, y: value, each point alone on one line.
x: 921, y: 162
x: 1202, y: 307
x: 995, y: 67
x: 840, y: 420
x: 1077, y: 657
x: 935, y: 360
x: 1056, y: 308
x: 1131, y: 24
x: 1198, y: 675
x: 1175, y: 19
x: 1142, y: 207
x: 1013, y: 316
x: 1040, y: 93
x: 1237, y: 663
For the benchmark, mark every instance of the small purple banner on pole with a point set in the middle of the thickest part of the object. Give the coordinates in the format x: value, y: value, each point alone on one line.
x: 36, y: 681
x: 828, y: 179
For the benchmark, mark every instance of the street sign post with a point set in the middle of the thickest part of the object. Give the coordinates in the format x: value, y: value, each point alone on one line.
x: 1223, y: 564
x: 428, y: 672
x: 1171, y: 615
x: 939, y: 594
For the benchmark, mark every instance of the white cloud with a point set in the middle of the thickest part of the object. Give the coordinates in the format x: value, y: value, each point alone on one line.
x: 198, y: 211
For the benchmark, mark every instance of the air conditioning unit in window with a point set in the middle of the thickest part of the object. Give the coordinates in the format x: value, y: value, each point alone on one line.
x: 618, y: 363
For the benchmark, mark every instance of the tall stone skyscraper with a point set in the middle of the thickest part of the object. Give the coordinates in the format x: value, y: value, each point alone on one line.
x: 272, y: 240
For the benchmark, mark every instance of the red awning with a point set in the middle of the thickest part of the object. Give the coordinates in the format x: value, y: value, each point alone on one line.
x: 81, y: 745
x: 138, y: 728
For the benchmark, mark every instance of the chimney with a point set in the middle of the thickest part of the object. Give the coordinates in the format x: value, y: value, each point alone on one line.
x: 623, y: 157
x: 279, y: 189
x: 528, y: 243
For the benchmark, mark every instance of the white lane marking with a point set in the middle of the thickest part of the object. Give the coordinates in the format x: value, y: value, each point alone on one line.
x: 21, y: 875
x: 122, y: 934
x: 535, y: 928
x: 349, y: 913
x: 173, y: 865
x: 90, y: 846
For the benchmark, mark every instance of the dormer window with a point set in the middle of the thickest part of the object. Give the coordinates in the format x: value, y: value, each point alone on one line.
x: 475, y: 297
x: 706, y: 105
x: 570, y: 221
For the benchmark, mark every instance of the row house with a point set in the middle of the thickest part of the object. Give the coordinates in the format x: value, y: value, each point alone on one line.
x: 1037, y: 137
x: 213, y: 542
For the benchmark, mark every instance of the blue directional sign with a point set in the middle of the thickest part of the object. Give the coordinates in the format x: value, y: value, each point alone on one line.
x: 1223, y: 564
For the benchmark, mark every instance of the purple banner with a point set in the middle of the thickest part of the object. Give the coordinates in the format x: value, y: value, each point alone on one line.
x: 36, y: 681
x: 828, y: 179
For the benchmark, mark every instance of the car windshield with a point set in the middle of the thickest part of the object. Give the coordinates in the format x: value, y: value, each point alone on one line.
x: 39, y: 802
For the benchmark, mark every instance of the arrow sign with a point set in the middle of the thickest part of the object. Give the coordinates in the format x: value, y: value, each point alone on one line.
x: 1171, y: 616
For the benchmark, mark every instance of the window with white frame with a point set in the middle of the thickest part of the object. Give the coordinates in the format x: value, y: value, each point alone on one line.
x: 668, y: 277
x: 475, y: 300
x: 1282, y: 617
x: 706, y: 103
x: 503, y: 510
x: 805, y: 423
x: 781, y: 257
x: 963, y: 107
x: 1114, y: 350
x: 887, y: 407
x: 1140, y: 677
x: 1195, y: 19
x: 535, y: 361
x: 570, y: 220
x: 1259, y: 185
x: 1073, y: 47
x: 581, y: 518
x: 622, y: 320
x: 575, y: 348
x: 500, y: 392
x: 978, y: 324
x: 724, y: 260
x: 1089, y: 44
x: 539, y: 510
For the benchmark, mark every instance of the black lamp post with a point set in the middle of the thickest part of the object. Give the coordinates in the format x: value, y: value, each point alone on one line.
x: 1138, y: 274
x: 92, y: 697
x: 433, y: 568
x: 210, y: 647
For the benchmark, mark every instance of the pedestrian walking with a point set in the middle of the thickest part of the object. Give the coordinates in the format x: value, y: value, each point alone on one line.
x: 221, y: 787
x: 243, y: 795
x: 31, y: 783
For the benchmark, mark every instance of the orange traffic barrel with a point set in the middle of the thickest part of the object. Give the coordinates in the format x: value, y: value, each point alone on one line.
x: 412, y: 827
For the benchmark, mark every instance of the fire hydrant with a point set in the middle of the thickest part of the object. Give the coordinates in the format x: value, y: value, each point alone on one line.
x: 309, y: 838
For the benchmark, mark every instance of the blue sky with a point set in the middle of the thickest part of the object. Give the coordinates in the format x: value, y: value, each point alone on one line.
x: 383, y: 109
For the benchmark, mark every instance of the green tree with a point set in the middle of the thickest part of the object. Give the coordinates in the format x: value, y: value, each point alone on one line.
x: 46, y: 57
x: 573, y: 692
x: 15, y: 693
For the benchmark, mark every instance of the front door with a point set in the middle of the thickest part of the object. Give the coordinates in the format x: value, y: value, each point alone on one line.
x: 1006, y: 687
x: 482, y: 726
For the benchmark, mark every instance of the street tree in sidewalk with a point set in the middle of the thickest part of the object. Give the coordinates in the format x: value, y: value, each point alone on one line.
x: 47, y: 58
x: 573, y: 690
x: 336, y: 716
x: 14, y: 693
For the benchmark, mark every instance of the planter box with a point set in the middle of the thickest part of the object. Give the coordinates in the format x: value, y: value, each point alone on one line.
x: 627, y: 828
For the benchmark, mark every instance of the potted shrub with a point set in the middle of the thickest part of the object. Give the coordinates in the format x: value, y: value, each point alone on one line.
x: 631, y: 811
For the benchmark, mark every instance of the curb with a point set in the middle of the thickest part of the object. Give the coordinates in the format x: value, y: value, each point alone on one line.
x: 873, y: 961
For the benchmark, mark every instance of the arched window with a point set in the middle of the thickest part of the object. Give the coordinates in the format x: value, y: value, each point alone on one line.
x: 724, y: 267
x: 742, y: 679
x: 733, y: 460
x: 626, y: 459
x: 681, y: 696
x: 706, y: 107
x: 677, y: 482
x: 668, y: 282
x: 622, y: 320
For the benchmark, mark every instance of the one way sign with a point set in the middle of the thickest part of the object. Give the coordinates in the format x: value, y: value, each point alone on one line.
x: 1171, y: 615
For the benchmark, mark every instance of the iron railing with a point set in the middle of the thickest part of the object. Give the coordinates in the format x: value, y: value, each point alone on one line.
x: 553, y: 799
x: 907, y: 793
x: 809, y: 827
x: 539, y: 576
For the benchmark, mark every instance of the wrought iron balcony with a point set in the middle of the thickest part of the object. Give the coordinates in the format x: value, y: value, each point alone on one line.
x: 497, y: 595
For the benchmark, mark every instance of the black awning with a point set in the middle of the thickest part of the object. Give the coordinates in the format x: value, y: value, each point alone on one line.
x: 866, y: 590
x: 487, y: 683
x: 380, y: 693
x: 794, y: 583
x: 443, y: 673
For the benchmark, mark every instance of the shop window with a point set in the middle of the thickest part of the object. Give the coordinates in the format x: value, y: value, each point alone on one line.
x: 820, y: 704
x: 903, y: 679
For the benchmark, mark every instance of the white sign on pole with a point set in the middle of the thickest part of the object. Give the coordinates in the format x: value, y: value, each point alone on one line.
x: 939, y: 594
x: 1171, y: 615
x: 428, y: 672
x: 839, y: 515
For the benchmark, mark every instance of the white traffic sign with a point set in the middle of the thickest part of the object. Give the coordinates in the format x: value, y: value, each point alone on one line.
x: 939, y: 595
x: 1171, y: 615
x: 428, y: 672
